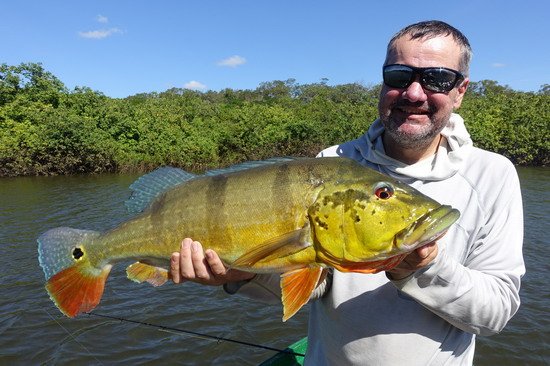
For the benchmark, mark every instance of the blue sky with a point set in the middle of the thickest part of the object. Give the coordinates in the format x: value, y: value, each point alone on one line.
x: 125, y: 47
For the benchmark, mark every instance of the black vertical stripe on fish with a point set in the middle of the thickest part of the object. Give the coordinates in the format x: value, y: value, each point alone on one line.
x: 156, y: 212
x: 216, y: 214
x: 281, y: 186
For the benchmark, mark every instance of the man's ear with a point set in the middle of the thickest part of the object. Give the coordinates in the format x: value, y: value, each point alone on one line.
x: 461, y: 90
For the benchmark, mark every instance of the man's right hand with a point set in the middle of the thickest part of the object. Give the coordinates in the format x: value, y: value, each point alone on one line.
x: 192, y: 263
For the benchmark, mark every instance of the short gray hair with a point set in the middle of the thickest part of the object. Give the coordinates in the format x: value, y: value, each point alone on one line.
x: 434, y: 28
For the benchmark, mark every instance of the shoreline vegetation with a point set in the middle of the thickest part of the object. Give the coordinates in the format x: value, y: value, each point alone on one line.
x: 46, y: 129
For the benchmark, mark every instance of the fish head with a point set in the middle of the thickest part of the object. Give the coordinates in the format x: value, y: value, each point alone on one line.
x: 373, y: 218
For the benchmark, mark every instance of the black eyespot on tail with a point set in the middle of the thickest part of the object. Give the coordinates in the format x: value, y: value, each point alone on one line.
x: 77, y: 253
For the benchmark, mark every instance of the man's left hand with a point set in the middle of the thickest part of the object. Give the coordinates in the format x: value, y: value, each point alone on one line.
x: 419, y: 258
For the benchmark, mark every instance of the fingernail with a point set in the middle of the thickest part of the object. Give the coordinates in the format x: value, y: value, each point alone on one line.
x: 185, y: 244
x: 195, y: 246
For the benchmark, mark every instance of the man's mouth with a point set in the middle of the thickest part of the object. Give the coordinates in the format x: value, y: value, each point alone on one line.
x: 412, y: 110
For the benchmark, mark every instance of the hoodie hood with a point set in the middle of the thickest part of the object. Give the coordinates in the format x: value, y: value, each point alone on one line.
x: 453, y: 151
x: 451, y: 155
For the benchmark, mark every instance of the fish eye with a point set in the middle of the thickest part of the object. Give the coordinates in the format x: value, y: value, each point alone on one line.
x: 383, y: 190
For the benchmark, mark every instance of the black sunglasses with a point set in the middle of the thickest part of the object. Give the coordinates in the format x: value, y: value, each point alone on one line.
x: 436, y: 79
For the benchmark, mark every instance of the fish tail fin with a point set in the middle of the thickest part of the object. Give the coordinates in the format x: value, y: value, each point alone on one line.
x: 73, y: 283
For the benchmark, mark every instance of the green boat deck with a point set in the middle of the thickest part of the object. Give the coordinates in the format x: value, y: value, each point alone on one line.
x: 292, y: 358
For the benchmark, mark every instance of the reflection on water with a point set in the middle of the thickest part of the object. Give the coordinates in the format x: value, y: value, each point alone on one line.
x: 32, y: 331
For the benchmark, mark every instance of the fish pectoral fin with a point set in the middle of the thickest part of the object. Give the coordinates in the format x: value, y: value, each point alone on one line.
x: 296, y: 288
x: 142, y: 272
x: 278, y: 247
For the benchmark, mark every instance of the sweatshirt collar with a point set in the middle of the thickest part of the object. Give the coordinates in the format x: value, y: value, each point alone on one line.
x: 453, y: 151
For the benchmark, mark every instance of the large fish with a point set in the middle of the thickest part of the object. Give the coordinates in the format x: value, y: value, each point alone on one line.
x: 293, y: 217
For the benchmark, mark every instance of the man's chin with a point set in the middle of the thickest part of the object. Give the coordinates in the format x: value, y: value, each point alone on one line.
x: 409, y: 138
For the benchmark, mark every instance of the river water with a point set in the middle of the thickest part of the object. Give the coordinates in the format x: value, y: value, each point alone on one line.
x: 33, y: 331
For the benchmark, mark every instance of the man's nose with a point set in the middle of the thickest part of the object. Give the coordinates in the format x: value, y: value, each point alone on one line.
x: 415, y: 92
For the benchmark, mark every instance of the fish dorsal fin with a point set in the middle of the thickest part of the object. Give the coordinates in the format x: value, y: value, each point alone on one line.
x: 296, y: 289
x: 146, y: 188
x: 280, y: 246
x: 249, y: 165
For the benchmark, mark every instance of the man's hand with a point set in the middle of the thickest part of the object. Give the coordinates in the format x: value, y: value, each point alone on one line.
x: 192, y: 263
x: 419, y: 258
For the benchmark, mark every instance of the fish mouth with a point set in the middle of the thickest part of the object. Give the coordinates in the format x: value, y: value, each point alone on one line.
x: 427, y: 228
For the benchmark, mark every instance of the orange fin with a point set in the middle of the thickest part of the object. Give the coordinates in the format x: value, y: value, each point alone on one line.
x: 76, y: 289
x: 141, y: 272
x: 280, y: 246
x: 296, y: 287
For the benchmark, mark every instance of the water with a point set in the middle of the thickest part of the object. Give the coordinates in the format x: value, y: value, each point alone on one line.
x: 32, y: 331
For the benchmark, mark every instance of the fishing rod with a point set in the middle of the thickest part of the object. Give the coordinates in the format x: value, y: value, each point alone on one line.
x: 203, y: 335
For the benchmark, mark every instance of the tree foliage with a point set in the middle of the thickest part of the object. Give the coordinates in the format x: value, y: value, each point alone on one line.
x: 46, y: 129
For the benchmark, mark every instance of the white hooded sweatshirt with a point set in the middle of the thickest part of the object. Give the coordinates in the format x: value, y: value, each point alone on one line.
x: 472, y: 287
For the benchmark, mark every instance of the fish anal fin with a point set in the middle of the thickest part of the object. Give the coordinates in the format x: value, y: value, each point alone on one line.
x: 77, y: 289
x: 281, y: 246
x: 142, y: 272
x: 296, y: 288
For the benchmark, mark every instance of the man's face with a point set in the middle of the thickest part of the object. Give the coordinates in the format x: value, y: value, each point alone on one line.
x: 413, y: 117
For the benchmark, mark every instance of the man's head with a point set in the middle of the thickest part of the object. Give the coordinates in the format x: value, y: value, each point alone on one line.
x: 435, y: 28
x: 418, y: 97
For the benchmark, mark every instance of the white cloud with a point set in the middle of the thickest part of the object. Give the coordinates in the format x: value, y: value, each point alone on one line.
x: 498, y: 65
x: 232, y: 61
x: 194, y: 85
x: 102, y: 19
x: 100, y: 33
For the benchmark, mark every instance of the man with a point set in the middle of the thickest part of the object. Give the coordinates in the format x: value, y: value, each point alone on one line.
x: 428, y: 309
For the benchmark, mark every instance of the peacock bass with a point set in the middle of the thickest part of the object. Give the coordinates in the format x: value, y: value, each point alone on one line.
x: 293, y: 217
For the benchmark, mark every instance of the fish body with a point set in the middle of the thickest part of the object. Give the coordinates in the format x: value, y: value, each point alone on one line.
x: 293, y: 217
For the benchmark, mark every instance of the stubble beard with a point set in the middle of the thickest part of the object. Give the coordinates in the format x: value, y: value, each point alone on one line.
x: 406, y: 140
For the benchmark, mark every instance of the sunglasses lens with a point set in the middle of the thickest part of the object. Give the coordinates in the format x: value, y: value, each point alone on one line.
x: 398, y: 76
x: 439, y: 80
x: 436, y: 79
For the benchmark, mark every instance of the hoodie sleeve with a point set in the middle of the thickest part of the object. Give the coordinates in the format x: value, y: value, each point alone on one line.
x: 266, y: 288
x: 481, y: 294
x: 263, y: 287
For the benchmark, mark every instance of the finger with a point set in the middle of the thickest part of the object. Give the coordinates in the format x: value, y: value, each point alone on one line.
x: 175, y: 267
x: 430, y: 257
x: 199, y: 261
x: 187, y: 270
x: 422, y: 256
x: 216, y: 265
x: 425, y: 250
x: 408, y: 263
